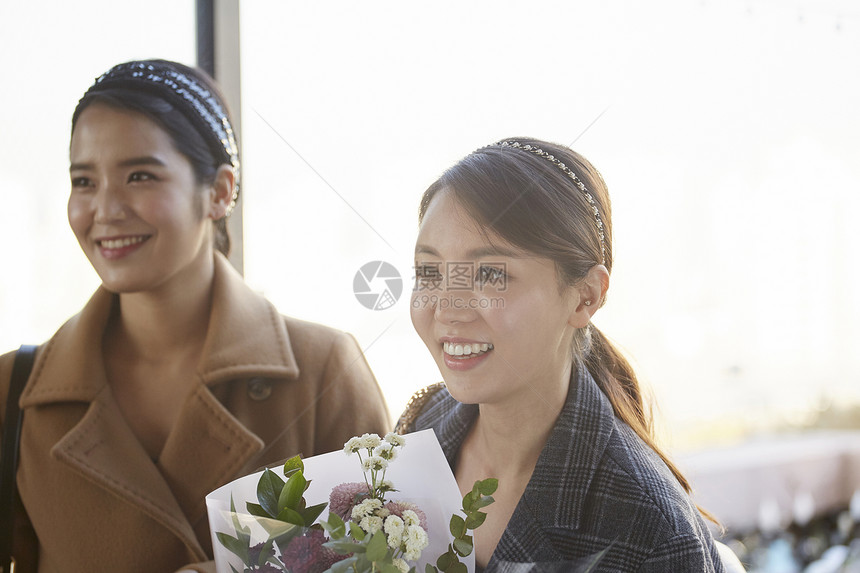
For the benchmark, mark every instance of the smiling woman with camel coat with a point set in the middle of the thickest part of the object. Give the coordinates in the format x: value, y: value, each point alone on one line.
x: 268, y: 387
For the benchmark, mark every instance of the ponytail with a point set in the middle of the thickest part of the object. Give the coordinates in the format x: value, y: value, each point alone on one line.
x: 617, y: 380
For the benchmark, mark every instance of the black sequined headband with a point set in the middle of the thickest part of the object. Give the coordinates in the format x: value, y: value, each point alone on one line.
x: 195, y: 101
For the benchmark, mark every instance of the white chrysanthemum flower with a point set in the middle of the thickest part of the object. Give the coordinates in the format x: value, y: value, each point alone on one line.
x: 415, y: 540
x: 411, y: 518
x: 352, y: 445
x: 375, y: 463
x: 394, y: 530
x: 402, y: 565
x: 387, y: 484
x: 395, y: 439
x: 365, y: 508
x: 385, y: 451
x: 370, y: 441
x: 383, y: 513
x: 371, y: 524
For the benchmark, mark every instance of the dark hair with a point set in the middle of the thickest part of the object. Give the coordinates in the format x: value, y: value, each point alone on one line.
x: 531, y: 203
x: 200, y: 148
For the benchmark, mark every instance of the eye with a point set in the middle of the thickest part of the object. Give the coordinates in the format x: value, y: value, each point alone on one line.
x: 141, y: 176
x: 494, y: 275
x: 428, y: 273
x: 81, y: 182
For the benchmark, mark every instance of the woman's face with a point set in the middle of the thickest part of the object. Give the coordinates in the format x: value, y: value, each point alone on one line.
x: 135, y: 206
x: 493, y: 316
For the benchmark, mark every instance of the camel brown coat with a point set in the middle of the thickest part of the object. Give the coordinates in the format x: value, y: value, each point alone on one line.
x: 268, y: 387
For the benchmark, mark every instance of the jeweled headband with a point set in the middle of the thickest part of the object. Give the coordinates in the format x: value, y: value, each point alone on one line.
x: 534, y: 150
x: 195, y: 101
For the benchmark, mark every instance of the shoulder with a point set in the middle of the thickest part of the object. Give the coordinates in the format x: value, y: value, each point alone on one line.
x: 314, y: 341
x: 632, y: 480
x: 428, y: 397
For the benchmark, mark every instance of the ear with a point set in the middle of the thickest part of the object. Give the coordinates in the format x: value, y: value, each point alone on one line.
x: 589, y: 293
x: 221, y: 192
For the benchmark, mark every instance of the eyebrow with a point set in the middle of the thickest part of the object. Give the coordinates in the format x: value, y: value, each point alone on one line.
x: 479, y: 253
x: 131, y: 162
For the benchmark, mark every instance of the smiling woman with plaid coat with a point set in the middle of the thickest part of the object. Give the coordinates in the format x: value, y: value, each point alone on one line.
x: 535, y: 395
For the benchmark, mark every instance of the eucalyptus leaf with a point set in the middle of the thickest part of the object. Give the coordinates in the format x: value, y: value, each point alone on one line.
x: 377, y: 548
x: 463, y: 546
x: 343, y: 547
x: 475, y: 519
x: 390, y: 568
x: 457, y: 526
x: 269, y: 490
x: 446, y: 559
x: 356, y: 532
x: 343, y: 565
x: 488, y: 486
x: 483, y: 501
x: 335, y: 527
x: 457, y: 568
x: 430, y: 569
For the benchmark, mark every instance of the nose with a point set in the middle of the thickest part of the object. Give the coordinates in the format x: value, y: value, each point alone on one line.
x: 109, y: 204
x: 455, y: 306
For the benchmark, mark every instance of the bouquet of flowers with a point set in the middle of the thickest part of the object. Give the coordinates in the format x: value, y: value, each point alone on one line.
x: 367, y: 529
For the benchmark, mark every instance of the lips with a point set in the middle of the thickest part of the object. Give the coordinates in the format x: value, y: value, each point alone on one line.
x: 118, y: 247
x: 466, y: 350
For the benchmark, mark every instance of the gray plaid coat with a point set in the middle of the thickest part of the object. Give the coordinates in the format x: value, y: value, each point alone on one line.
x: 596, y: 485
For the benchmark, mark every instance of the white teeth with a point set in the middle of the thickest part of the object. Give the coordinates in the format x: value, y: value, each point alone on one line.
x: 465, y: 349
x: 120, y: 243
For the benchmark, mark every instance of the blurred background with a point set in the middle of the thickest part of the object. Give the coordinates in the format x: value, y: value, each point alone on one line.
x: 728, y: 134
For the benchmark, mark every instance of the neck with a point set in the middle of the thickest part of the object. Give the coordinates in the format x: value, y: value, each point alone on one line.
x: 159, y: 324
x: 510, y: 436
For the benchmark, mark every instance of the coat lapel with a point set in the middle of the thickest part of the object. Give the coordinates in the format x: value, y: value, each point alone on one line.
x: 556, y: 493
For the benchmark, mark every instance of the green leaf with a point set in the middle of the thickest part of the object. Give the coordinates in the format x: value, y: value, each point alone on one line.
x: 356, y: 532
x: 475, y: 519
x: 463, y: 546
x: 291, y: 516
x: 484, y: 501
x: 458, y: 568
x: 295, y: 464
x: 430, y: 569
x: 256, y: 509
x: 268, y: 490
x: 488, y: 486
x: 446, y: 559
x: 291, y: 493
x: 343, y: 565
x: 343, y: 547
x: 390, y: 568
x: 234, y: 545
x: 265, y: 553
x: 377, y: 548
x: 457, y: 526
x: 311, y: 513
x: 335, y: 527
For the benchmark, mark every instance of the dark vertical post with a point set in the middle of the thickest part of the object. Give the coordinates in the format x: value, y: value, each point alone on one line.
x: 206, y: 36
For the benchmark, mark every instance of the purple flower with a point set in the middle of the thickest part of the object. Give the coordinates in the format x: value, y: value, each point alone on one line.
x: 346, y: 495
x: 306, y: 554
x: 398, y: 507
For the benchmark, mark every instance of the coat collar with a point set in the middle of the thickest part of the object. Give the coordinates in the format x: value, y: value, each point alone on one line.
x: 556, y: 493
x: 242, y: 325
x: 207, y: 447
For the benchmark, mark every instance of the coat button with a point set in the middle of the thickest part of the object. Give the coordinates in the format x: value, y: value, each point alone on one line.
x: 259, y: 389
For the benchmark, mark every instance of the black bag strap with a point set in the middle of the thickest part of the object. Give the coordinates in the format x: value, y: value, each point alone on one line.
x: 21, y: 369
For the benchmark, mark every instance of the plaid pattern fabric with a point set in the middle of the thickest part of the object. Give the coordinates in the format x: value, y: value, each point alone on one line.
x: 596, y: 485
